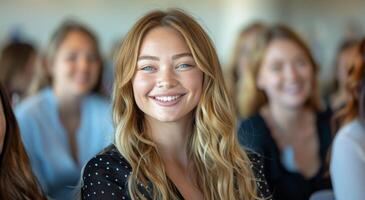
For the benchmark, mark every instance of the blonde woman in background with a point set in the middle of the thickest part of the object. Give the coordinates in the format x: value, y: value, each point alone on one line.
x: 244, y: 52
x: 284, y: 122
x: 67, y: 120
x: 175, y: 133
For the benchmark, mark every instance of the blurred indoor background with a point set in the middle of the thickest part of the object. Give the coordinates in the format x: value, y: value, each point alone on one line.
x: 322, y: 23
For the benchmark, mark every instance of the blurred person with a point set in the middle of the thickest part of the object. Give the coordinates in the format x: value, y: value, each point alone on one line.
x: 67, y: 120
x: 344, y: 56
x: 17, y: 181
x: 348, y: 152
x: 243, y: 55
x: 175, y: 134
x: 284, y: 121
x: 17, y: 63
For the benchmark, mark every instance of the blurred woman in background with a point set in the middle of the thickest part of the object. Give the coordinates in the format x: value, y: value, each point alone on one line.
x: 17, y: 181
x: 344, y: 56
x: 244, y: 53
x: 348, y: 151
x: 68, y: 120
x: 17, y: 63
x: 284, y: 120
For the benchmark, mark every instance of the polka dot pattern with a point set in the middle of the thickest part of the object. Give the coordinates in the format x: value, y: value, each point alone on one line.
x: 106, y: 177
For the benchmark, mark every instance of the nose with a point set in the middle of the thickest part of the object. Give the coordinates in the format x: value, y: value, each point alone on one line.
x: 83, y: 63
x: 291, y: 72
x: 166, y: 78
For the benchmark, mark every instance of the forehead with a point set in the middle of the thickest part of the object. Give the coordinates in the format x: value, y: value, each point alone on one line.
x: 284, y: 49
x: 77, y: 38
x: 163, y: 40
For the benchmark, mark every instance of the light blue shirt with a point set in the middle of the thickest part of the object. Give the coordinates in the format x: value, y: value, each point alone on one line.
x: 348, y: 162
x: 47, y: 143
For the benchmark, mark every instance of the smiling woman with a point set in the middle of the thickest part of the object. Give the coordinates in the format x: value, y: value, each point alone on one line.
x: 67, y: 121
x: 175, y: 135
x: 284, y: 121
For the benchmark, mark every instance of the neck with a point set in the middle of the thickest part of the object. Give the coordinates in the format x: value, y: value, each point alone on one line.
x: 67, y: 103
x: 287, y: 117
x: 171, y: 138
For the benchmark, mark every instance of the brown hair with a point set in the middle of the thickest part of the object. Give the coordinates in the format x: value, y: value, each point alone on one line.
x: 252, y: 98
x: 17, y: 181
x: 14, y: 59
x: 42, y: 76
x: 355, y: 86
x: 222, y: 166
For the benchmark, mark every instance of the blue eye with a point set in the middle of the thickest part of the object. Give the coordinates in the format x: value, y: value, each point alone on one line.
x: 183, y: 66
x: 147, y: 68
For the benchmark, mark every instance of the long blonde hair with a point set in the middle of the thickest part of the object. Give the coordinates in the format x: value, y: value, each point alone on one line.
x: 251, y: 99
x: 232, y: 75
x: 222, y: 166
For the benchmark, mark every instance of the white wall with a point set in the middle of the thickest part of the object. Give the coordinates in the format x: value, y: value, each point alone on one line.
x: 222, y: 19
x: 112, y: 18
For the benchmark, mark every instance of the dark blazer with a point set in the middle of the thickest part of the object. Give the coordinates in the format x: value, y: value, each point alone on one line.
x: 254, y: 134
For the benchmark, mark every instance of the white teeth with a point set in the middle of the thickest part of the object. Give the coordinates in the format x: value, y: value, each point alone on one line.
x: 167, y: 98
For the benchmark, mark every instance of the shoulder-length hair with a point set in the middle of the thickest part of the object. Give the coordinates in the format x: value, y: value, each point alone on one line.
x: 222, y: 167
x: 16, y: 178
x: 251, y: 99
x: 355, y: 88
x: 42, y: 76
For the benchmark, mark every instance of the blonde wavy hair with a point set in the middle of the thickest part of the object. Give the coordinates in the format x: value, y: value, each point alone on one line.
x: 222, y: 166
x: 232, y: 74
x: 251, y: 99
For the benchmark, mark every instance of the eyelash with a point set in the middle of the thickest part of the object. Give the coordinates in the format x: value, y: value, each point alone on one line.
x: 187, y: 66
x: 150, y: 68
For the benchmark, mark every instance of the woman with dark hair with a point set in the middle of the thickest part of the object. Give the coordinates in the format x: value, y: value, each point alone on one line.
x: 348, y: 153
x: 285, y: 123
x: 17, y: 181
x: 67, y: 120
x: 17, y: 63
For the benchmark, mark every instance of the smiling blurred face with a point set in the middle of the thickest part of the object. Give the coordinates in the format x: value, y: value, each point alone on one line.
x: 76, y: 66
x: 167, y: 83
x: 2, y: 126
x: 286, y: 74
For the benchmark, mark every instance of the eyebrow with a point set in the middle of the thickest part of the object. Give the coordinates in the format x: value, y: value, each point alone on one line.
x: 174, y: 57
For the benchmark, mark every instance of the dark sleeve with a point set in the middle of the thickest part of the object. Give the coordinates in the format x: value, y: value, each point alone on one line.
x: 105, y: 177
x: 251, y: 134
x: 257, y: 166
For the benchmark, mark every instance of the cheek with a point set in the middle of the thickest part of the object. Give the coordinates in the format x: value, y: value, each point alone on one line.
x: 193, y: 82
x: 141, y: 86
x: 307, y: 74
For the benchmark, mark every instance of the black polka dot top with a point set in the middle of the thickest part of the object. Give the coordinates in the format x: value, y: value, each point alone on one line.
x: 106, y: 177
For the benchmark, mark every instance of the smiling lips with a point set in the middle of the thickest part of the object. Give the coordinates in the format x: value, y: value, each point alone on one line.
x: 167, y: 100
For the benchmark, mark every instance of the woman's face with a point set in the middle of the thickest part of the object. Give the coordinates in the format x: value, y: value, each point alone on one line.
x: 2, y: 126
x: 286, y: 74
x: 167, y: 83
x: 76, y: 65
